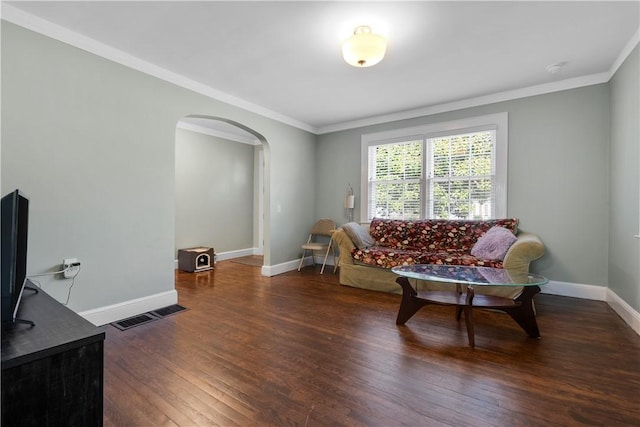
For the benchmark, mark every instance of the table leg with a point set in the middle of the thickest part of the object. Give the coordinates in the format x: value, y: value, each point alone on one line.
x: 410, y: 303
x: 468, y: 316
x: 524, y: 314
x: 458, y: 307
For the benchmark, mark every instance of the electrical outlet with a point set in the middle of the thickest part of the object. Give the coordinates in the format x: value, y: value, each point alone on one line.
x: 70, y: 267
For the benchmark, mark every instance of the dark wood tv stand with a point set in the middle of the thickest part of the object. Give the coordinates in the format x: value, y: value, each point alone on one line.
x: 52, y: 373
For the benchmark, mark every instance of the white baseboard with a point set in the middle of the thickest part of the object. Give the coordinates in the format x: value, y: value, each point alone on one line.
x: 111, y: 313
x: 575, y: 290
x: 624, y: 310
x: 598, y: 293
x: 274, y: 270
x: 223, y: 256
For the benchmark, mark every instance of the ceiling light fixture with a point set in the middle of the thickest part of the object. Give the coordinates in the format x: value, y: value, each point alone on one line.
x: 364, y: 48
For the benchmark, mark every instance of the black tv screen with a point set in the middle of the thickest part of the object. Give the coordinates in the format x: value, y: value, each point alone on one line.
x: 15, y: 225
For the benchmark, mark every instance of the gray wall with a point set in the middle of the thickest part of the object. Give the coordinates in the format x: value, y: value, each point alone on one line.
x: 214, y: 192
x: 92, y: 143
x: 624, y: 255
x: 558, y: 180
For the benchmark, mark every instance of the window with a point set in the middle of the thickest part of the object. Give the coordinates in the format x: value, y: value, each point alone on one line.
x: 461, y: 174
x: 453, y: 170
x: 395, y: 180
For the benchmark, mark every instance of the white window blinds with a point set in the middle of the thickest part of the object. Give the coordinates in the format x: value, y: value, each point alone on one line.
x: 395, y: 180
x: 461, y: 176
x: 453, y: 170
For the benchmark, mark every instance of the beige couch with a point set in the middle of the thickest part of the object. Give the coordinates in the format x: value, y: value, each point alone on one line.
x: 527, y: 247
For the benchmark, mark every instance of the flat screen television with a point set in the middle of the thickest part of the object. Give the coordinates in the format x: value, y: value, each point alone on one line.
x: 14, y: 227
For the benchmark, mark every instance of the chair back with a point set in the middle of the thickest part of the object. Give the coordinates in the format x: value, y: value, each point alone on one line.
x: 323, y: 227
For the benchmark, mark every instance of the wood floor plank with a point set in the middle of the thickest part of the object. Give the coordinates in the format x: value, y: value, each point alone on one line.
x: 149, y: 411
x: 298, y: 349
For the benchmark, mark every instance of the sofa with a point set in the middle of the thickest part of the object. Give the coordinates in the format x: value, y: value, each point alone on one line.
x: 367, y: 254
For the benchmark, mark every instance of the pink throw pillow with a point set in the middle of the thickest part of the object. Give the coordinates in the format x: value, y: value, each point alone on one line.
x: 494, y: 244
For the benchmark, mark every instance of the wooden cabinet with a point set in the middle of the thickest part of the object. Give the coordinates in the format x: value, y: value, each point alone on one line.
x: 52, y: 373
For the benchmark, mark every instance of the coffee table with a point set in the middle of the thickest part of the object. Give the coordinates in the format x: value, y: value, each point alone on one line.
x: 463, y: 279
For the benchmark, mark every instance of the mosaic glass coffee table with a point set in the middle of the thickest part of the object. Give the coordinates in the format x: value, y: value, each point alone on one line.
x: 463, y: 280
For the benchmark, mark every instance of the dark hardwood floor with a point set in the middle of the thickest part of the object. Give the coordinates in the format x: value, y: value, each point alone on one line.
x: 299, y: 349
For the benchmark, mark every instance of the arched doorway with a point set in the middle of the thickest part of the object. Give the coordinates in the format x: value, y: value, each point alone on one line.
x: 216, y: 205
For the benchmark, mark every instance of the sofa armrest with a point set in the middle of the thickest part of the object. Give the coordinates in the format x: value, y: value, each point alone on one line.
x: 345, y: 246
x: 527, y: 248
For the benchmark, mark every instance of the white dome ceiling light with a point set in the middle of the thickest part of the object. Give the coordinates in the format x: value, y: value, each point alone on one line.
x: 364, y: 48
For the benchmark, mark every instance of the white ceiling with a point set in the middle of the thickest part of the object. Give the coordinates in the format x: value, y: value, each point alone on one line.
x: 283, y: 58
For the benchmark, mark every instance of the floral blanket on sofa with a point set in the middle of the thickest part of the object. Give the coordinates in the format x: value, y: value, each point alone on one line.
x: 430, y: 241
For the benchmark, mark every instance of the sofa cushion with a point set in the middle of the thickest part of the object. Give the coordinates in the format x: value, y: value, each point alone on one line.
x: 434, y: 234
x: 494, y: 244
x: 358, y: 235
x: 380, y: 256
x: 457, y: 258
x: 388, y: 232
x: 429, y: 241
x: 462, y: 235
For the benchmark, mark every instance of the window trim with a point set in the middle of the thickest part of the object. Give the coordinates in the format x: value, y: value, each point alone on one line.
x: 498, y: 121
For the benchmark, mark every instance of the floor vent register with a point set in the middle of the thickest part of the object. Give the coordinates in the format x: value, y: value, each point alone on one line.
x: 167, y: 311
x: 144, y: 318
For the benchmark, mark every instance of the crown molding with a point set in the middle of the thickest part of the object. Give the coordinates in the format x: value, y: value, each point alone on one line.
x: 472, y: 102
x: 62, y: 34
x: 626, y: 51
x: 497, y: 97
x: 54, y: 31
x: 217, y: 133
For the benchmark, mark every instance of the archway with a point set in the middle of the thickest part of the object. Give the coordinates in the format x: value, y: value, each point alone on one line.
x: 221, y: 202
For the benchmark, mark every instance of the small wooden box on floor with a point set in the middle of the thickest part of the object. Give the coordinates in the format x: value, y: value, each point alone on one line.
x: 194, y: 260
